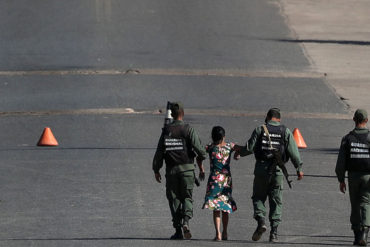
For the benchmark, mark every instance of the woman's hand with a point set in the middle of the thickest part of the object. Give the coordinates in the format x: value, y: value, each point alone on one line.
x: 202, y: 174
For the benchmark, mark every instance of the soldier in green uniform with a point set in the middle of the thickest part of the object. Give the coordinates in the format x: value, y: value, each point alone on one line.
x: 178, y: 146
x: 354, y: 157
x: 268, y: 178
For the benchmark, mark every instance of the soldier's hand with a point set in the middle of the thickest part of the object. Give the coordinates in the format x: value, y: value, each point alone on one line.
x: 158, y: 177
x: 343, y: 187
x: 300, y: 175
x: 236, y: 156
x: 237, y: 148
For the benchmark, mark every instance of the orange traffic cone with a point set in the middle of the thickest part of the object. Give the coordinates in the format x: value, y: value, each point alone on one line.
x: 299, y: 139
x: 47, y: 138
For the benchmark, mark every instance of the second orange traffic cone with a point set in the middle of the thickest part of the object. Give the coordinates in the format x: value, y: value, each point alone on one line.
x: 299, y: 139
x: 47, y: 138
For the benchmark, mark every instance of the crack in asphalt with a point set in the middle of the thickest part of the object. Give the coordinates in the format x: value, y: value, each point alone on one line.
x: 167, y: 72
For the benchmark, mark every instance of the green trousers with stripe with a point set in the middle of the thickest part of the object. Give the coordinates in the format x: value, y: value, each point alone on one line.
x: 179, y: 192
x: 272, y: 188
x: 359, y: 194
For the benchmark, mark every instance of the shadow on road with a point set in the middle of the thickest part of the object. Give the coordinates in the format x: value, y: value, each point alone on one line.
x: 73, y: 148
x: 333, y: 151
x: 320, y: 41
x: 333, y: 240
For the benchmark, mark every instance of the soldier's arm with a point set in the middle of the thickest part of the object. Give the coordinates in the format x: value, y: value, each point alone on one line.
x: 292, y: 150
x: 251, y: 143
x: 158, y: 156
x: 198, y: 148
x: 340, y: 168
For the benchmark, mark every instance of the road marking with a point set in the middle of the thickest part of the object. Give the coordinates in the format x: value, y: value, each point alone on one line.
x: 236, y: 113
x: 168, y: 72
x: 108, y: 111
x: 201, y: 112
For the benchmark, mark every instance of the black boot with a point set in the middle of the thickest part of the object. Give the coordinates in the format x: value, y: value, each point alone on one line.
x: 186, y: 228
x: 273, y: 235
x: 363, y: 236
x: 178, y: 234
x: 357, y: 234
x: 261, y: 228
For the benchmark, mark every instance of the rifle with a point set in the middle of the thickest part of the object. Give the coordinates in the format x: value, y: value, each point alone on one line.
x: 277, y: 160
x: 168, y: 119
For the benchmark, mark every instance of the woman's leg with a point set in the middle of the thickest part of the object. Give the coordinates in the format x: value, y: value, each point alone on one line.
x: 217, y: 222
x: 225, y: 222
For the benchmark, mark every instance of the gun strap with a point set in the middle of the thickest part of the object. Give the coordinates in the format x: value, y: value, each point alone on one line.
x: 268, y: 135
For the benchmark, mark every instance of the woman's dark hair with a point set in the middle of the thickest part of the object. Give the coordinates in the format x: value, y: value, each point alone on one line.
x: 218, y: 133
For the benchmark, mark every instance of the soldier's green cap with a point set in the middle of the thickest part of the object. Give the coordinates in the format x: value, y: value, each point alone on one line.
x: 177, y: 105
x: 274, y: 112
x: 360, y: 115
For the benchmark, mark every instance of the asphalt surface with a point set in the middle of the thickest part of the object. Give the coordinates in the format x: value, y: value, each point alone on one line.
x: 162, y: 34
x: 97, y: 187
x: 337, y: 41
x: 40, y: 93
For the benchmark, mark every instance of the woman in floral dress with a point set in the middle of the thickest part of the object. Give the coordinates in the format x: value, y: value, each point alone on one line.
x: 219, y: 187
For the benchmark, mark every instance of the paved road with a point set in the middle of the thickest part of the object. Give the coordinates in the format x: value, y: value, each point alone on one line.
x: 36, y: 93
x: 337, y: 41
x: 97, y: 187
x: 161, y: 34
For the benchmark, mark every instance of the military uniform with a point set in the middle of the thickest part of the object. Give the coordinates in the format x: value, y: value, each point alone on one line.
x: 176, y: 146
x: 354, y: 157
x: 267, y: 182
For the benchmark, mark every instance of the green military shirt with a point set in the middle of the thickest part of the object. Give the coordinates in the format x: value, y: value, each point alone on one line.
x: 197, y: 148
x: 341, y: 166
x: 292, y: 152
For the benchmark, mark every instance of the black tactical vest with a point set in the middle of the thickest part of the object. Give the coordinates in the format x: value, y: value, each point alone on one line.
x: 178, y: 149
x: 358, y: 155
x: 277, y: 135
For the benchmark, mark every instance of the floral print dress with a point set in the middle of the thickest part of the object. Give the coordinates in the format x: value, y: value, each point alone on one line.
x: 219, y: 186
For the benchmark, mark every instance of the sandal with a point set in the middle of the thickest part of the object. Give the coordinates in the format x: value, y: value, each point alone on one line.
x: 217, y: 239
